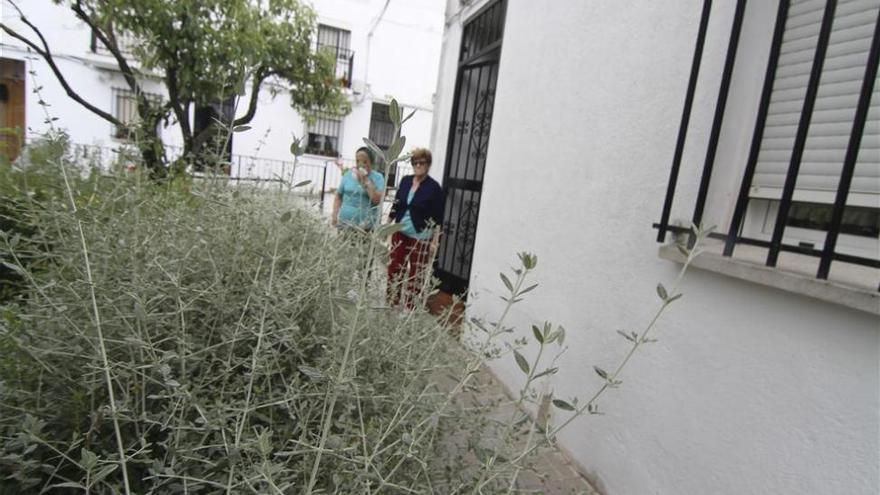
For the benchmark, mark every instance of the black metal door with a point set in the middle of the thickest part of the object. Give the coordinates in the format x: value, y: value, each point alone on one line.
x: 468, y: 140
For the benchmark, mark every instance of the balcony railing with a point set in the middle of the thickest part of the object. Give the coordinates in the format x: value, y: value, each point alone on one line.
x: 344, y: 62
x: 315, y: 176
x: 125, y: 41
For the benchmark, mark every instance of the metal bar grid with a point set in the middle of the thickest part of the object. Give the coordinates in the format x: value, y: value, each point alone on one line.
x: 769, y: 78
x: 801, y: 136
x: 791, y: 248
x: 685, y: 120
x: 835, y: 225
x: 718, y: 119
x: 852, y: 153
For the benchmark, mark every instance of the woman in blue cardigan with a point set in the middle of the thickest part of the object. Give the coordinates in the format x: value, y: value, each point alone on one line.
x: 418, y: 207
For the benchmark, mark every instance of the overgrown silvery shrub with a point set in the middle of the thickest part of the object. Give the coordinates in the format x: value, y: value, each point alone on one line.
x: 201, y: 338
x: 218, y: 321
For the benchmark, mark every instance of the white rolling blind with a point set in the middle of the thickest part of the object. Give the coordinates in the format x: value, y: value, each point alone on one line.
x: 834, y: 110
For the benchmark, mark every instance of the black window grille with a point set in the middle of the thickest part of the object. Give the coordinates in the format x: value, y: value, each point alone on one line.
x: 816, y: 133
x: 324, y: 134
x: 338, y: 42
x: 125, y: 109
x: 484, y: 33
x: 381, y: 127
x: 382, y: 133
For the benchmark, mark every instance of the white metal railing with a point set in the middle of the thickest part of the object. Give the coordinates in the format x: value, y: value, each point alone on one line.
x: 317, y: 175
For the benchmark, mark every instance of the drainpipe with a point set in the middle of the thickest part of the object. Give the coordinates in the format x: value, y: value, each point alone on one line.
x: 373, y: 27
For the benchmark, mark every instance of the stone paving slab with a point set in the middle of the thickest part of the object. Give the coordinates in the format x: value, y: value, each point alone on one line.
x: 553, y: 472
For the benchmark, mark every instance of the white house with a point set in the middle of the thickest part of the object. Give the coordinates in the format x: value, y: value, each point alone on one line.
x: 580, y: 130
x: 385, y: 49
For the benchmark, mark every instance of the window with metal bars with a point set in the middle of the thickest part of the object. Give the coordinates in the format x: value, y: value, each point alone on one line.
x: 324, y: 134
x: 812, y: 173
x: 125, y: 109
x: 382, y: 133
x: 381, y: 127
x: 338, y: 42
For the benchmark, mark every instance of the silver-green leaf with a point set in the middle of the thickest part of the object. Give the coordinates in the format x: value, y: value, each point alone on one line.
x: 538, y: 336
x: 661, y: 291
x: 506, y: 282
x: 394, y: 112
x: 548, y: 371
x: 388, y: 229
x: 521, y: 362
x: 561, y: 404
x: 380, y: 154
x: 528, y: 289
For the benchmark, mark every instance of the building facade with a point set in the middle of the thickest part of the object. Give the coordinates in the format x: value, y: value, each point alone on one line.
x: 384, y: 49
x: 586, y: 132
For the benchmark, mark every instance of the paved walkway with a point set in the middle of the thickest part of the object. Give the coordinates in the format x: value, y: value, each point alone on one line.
x: 559, y: 477
x: 551, y: 473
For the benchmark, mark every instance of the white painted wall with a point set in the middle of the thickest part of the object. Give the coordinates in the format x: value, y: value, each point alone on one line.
x: 750, y: 389
x: 404, y: 53
x: 91, y: 75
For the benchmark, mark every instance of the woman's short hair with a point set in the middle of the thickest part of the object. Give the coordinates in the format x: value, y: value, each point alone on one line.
x: 369, y: 152
x: 417, y: 153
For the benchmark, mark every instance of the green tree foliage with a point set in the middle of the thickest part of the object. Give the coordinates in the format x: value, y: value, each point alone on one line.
x: 205, y: 52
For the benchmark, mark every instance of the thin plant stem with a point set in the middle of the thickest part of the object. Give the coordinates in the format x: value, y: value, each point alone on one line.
x: 101, y: 343
x: 611, y: 380
x: 472, y: 367
x: 255, y: 355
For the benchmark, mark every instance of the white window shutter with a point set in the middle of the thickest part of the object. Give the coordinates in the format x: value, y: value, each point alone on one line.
x: 834, y: 111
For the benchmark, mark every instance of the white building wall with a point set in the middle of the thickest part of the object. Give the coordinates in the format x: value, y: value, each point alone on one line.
x: 403, y: 59
x: 750, y: 389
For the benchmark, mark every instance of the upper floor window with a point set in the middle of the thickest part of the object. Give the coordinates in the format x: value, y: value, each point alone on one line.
x: 338, y: 42
x: 125, y: 41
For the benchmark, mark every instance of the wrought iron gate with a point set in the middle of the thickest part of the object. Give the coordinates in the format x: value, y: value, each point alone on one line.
x: 468, y: 140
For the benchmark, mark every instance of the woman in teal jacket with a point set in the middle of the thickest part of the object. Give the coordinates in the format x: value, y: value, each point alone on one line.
x: 356, y: 204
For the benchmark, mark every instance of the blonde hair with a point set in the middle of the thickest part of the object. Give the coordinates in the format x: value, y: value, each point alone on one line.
x: 417, y: 153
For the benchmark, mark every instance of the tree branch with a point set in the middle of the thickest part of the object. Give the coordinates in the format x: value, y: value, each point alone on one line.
x: 181, y: 109
x: 259, y: 76
x: 46, y: 53
x: 113, y: 48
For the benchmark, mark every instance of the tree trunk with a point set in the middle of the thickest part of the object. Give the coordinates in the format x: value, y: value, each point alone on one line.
x: 152, y: 149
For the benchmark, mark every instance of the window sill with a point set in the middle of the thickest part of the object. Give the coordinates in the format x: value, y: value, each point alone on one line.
x: 849, y: 285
